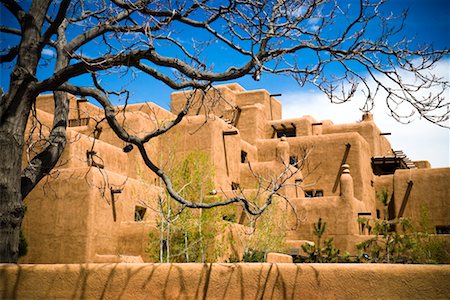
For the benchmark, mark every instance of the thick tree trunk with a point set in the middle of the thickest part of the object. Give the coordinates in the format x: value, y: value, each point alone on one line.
x: 15, y: 107
x: 11, y: 205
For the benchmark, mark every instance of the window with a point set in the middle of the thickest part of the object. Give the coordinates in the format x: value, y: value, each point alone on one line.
x: 78, y: 122
x: 284, y: 131
x: 293, y: 160
x: 363, y: 219
x: 234, y: 186
x: 288, y: 132
x: 313, y: 193
x: 243, y: 157
x: 139, y: 213
x: 443, y: 229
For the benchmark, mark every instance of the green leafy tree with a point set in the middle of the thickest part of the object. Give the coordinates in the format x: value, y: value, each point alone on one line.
x: 190, y: 235
x: 267, y: 234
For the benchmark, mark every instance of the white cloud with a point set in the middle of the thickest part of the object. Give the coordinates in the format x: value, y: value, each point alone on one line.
x: 314, y: 28
x: 420, y: 140
x: 48, y: 52
x: 299, y: 11
x: 313, y: 21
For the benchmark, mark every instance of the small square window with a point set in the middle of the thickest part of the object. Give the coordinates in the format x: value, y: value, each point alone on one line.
x: 139, y: 213
x: 293, y: 160
x: 234, y: 186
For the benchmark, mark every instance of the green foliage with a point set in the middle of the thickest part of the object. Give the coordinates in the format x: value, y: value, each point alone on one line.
x: 269, y: 235
x: 202, y: 235
x: 189, y: 235
x: 230, y: 218
x: 318, y: 253
x: 194, y: 176
x: 384, y: 197
x: 252, y: 255
x: 404, y: 245
x: 430, y: 249
x: 388, y: 245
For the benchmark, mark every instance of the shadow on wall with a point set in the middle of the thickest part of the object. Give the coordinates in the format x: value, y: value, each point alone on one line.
x: 223, y: 281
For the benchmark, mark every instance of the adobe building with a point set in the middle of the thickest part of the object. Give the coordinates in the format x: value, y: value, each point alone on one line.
x: 94, y: 205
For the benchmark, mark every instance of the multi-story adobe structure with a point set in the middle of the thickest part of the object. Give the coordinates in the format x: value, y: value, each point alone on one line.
x: 93, y: 207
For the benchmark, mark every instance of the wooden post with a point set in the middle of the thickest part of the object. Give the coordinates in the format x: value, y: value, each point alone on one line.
x: 113, y: 201
x: 234, y: 132
x: 405, y: 199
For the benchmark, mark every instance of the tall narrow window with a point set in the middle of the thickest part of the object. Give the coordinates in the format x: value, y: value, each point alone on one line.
x: 244, y: 158
x: 363, y: 219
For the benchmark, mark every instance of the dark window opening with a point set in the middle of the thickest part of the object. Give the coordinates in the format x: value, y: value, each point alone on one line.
x: 442, y: 229
x: 378, y: 214
x: 139, y: 213
x: 293, y: 160
x: 313, y: 193
x: 230, y: 218
x: 234, y: 186
x: 243, y: 157
x: 284, y: 131
x: 288, y: 132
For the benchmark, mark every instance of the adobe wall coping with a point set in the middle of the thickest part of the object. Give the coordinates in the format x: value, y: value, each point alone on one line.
x: 224, y: 281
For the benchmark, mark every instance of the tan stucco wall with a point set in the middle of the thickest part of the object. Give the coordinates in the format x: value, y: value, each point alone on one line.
x: 379, y: 145
x: 339, y: 214
x: 224, y: 281
x: 69, y: 217
x: 200, y: 133
x: 427, y: 193
x: 324, y: 162
x: 56, y: 236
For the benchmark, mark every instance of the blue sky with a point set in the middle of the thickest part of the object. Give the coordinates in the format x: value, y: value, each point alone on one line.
x: 428, y: 22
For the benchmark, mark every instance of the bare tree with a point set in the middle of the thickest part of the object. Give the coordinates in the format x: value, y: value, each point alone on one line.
x: 170, y: 41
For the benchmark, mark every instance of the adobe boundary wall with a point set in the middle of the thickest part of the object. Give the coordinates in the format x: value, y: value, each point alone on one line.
x: 224, y: 281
